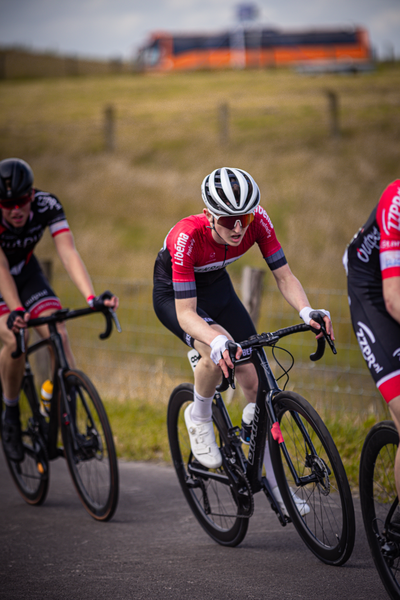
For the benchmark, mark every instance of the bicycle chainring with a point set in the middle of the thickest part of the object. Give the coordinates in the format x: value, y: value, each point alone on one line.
x: 244, y: 494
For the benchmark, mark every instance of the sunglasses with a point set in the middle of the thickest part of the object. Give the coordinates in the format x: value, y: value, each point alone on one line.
x: 15, y: 202
x: 230, y: 222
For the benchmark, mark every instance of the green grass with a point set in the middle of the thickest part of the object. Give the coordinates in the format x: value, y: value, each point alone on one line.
x: 140, y: 429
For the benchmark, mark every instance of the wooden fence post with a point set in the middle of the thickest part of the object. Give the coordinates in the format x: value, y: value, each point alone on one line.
x: 333, y: 110
x: 109, y: 128
x: 223, y: 123
x: 252, y: 281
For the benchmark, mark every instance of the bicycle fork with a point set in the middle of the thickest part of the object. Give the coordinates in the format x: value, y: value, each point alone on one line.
x: 319, y: 469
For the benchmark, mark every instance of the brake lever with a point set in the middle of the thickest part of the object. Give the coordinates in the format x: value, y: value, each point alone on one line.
x: 316, y: 316
x: 115, y: 319
x: 232, y: 348
x: 20, y: 339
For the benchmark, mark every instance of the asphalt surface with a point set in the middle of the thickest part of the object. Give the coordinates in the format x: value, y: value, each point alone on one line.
x: 154, y: 548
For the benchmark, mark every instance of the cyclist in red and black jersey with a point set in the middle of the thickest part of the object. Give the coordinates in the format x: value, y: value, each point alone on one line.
x: 25, y: 212
x: 194, y: 298
x: 372, y: 262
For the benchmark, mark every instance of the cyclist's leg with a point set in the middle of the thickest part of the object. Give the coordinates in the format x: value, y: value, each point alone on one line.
x: 11, y: 369
x: 11, y: 373
x: 378, y: 335
x: 394, y: 407
x: 236, y: 319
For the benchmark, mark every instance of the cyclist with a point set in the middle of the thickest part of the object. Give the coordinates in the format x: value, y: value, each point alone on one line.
x: 194, y: 298
x: 372, y: 263
x: 25, y: 212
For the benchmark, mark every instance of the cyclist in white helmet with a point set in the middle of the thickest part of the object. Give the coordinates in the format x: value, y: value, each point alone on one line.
x: 194, y: 298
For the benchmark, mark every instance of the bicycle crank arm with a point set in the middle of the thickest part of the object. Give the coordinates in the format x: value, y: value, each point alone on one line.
x: 266, y: 488
x: 203, y: 474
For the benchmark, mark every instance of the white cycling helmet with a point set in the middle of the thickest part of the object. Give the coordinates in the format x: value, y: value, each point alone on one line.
x: 229, y: 191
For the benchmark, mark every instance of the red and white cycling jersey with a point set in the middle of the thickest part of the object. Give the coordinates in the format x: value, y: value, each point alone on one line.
x: 191, y: 257
x: 374, y: 255
x: 388, y: 220
x: 374, y: 252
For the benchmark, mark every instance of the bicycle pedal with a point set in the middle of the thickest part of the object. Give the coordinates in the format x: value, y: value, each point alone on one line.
x: 193, y: 483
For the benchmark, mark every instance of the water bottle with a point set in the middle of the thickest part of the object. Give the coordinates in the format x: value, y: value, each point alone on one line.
x: 46, y: 394
x: 247, y: 422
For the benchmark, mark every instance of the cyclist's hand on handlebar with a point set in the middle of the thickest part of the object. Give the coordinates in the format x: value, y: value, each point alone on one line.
x: 104, y: 300
x: 220, y: 354
x: 305, y: 314
x: 17, y: 319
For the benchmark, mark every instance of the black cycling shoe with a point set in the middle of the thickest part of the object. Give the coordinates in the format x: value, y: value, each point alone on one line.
x: 12, y: 440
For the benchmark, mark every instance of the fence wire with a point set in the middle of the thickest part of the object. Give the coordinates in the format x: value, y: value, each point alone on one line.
x: 147, y: 361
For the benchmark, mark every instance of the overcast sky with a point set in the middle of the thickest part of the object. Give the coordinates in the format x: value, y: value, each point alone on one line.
x: 116, y: 28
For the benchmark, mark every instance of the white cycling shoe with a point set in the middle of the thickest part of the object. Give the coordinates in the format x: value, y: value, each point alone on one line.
x: 202, y: 441
x: 301, y: 504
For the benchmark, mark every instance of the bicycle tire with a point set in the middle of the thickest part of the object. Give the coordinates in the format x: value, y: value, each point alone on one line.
x: 31, y: 476
x: 93, y: 464
x: 377, y: 495
x: 221, y: 518
x: 329, y: 528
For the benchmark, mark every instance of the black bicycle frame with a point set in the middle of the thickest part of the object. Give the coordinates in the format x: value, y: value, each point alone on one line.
x: 264, y: 418
x: 61, y: 365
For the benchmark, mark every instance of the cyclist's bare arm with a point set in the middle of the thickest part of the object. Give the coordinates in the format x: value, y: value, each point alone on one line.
x: 293, y: 292
x: 74, y: 265
x: 391, y: 295
x: 8, y: 290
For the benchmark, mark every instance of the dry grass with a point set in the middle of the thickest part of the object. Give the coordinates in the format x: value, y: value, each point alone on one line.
x: 318, y: 190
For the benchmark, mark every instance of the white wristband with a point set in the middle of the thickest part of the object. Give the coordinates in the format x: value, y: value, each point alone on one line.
x: 306, y: 311
x: 217, y: 348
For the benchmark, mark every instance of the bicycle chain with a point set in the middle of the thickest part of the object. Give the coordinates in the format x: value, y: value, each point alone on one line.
x: 246, y: 512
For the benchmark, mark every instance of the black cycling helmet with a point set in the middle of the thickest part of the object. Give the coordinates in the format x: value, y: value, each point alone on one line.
x: 229, y: 191
x: 16, y: 178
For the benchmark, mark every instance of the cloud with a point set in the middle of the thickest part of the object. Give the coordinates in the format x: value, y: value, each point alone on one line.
x: 114, y: 27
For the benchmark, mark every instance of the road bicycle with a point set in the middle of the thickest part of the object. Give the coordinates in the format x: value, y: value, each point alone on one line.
x: 77, y: 410
x: 379, y: 503
x: 303, y: 454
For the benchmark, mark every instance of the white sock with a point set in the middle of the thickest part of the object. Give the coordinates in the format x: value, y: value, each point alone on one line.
x: 10, y: 401
x: 269, y: 471
x: 201, y: 411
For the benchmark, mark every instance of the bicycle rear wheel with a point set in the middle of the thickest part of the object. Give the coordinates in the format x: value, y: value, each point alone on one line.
x: 31, y: 476
x: 208, y: 492
x: 90, y: 453
x: 378, y: 494
x: 329, y: 527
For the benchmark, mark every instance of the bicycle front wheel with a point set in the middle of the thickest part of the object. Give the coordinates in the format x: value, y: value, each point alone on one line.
x: 207, y: 491
x: 378, y: 495
x: 313, y: 470
x: 31, y: 476
x: 89, y: 447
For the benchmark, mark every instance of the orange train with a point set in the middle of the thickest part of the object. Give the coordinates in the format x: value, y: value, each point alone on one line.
x: 253, y: 48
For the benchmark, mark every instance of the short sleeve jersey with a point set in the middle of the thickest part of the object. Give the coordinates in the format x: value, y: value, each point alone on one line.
x: 190, y: 256
x: 374, y: 252
x: 18, y: 243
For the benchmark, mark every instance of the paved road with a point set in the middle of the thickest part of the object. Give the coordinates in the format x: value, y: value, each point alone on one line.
x: 153, y: 548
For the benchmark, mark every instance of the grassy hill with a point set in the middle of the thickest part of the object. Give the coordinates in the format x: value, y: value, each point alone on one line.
x: 317, y: 189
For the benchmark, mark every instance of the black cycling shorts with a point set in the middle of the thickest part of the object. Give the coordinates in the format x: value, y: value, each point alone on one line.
x: 378, y: 336
x: 34, y: 291
x: 216, y: 303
